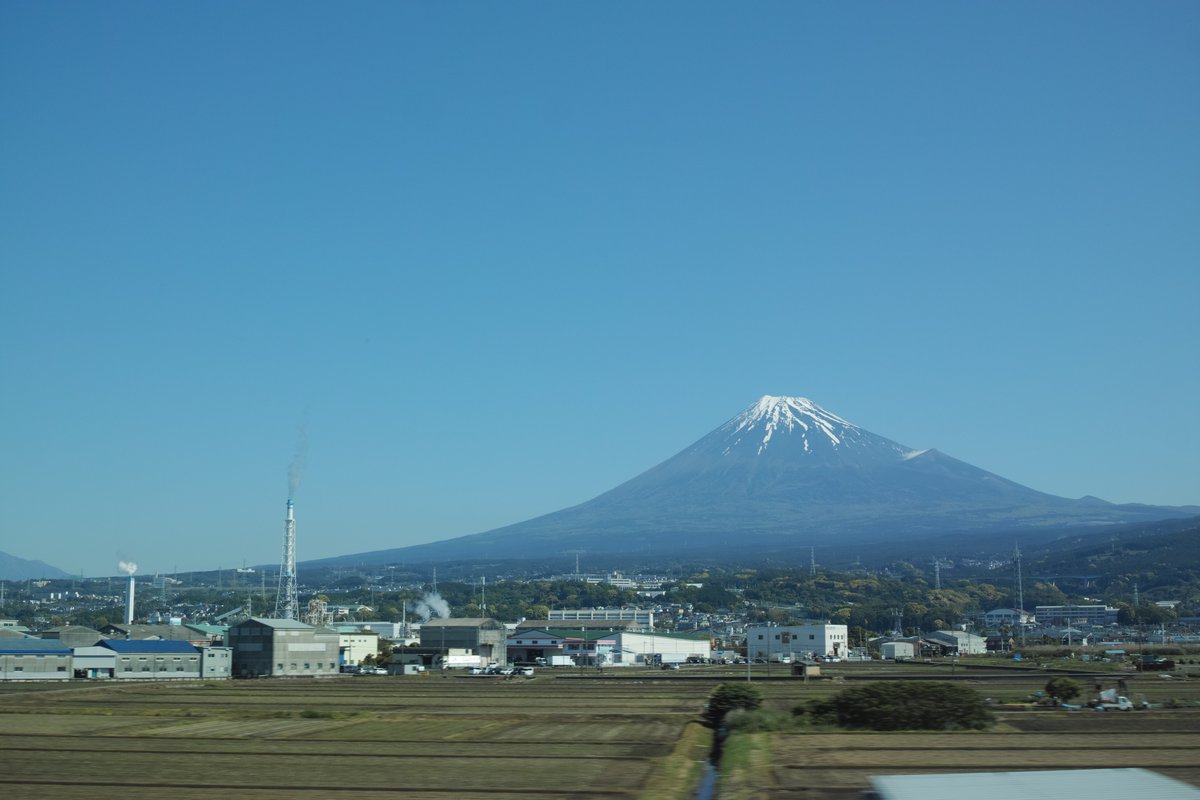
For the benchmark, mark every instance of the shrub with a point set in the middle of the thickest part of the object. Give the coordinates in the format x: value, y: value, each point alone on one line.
x: 1063, y: 689
x: 901, y: 705
x: 312, y: 713
x: 728, y: 696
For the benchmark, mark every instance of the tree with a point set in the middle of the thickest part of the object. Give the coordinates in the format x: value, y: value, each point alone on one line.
x: 1063, y: 689
x: 728, y: 696
x: 903, y: 706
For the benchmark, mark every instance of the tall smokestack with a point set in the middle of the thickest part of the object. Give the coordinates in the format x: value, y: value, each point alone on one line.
x: 287, y: 600
x: 128, y: 567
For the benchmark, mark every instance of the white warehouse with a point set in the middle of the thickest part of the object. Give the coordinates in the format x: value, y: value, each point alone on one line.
x: 796, y: 641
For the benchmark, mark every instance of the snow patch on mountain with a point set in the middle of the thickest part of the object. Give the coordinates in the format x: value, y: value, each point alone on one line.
x: 773, y: 414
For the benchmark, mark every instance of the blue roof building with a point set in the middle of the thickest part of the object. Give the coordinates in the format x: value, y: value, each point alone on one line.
x: 154, y: 659
x: 34, y: 660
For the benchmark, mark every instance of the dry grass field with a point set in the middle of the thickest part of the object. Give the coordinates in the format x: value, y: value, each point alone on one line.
x: 623, y: 734
x: 364, y: 738
x: 826, y: 765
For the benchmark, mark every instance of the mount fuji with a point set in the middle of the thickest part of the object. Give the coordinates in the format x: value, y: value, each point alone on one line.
x: 781, y: 474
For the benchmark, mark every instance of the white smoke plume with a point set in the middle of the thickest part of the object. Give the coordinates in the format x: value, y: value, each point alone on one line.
x: 432, y: 605
x: 299, y: 458
x: 128, y: 567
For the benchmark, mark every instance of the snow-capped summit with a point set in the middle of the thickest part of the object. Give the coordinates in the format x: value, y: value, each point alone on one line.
x: 772, y: 413
x: 797, y: 425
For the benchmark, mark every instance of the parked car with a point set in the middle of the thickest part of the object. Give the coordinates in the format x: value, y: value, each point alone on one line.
x: 527, y: 672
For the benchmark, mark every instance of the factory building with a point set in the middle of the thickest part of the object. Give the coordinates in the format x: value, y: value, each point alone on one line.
x: 960, y: 642
x: 216, y: 662
x: 1076, y: 615
x: 355, y: 645
x: 655, y: 648
x: 34, y: 660
x: 642, y: 616
x: 177, y: 633
x: 73, y: 635
x: 796, y: 641
x: 154, y: 659
x: 481, y: 636
x: 265, y: 647
x: 95, y: 663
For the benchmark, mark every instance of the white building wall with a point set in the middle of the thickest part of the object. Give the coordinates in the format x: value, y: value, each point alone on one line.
x: 642, y: 616
x: 357, y: 646
x: 639, y: 648
x: 797, y: 641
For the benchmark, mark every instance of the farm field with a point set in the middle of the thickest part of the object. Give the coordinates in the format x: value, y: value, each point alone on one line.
x: 362, y: 738
x: 831, y: 765
x: 621, y: 734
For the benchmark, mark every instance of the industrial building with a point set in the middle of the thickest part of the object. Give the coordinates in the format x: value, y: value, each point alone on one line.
x: 1076, y: 615
x: 561, y: 647
x: 264, y: 647
x: 654, y: 648
x: 95, y: 663
x: 606, y: 648
x: 642, y: 616
x: 581, y: 625
x: 482, y: 636
x: 154, y: 659
x: 355, y: 645
x: 796, y: 641
x: 73, y: 635
x: 34, y: 660
x: 960, y: 642
x: 1007, y: 616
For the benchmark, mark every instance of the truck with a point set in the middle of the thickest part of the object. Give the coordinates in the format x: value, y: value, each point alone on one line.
x: 1119, y: 703
x: 1109, y: 700
x: 561, y: 661
x: 453, y: 661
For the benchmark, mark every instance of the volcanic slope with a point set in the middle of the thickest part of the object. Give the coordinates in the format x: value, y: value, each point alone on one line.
x: 784, y: 472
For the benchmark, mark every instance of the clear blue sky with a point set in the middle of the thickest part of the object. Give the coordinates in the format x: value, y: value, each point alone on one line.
x: 497, y: 258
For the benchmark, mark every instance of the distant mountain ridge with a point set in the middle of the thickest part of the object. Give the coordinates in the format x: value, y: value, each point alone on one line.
x: 785, y: 472
x: 20, y: 569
